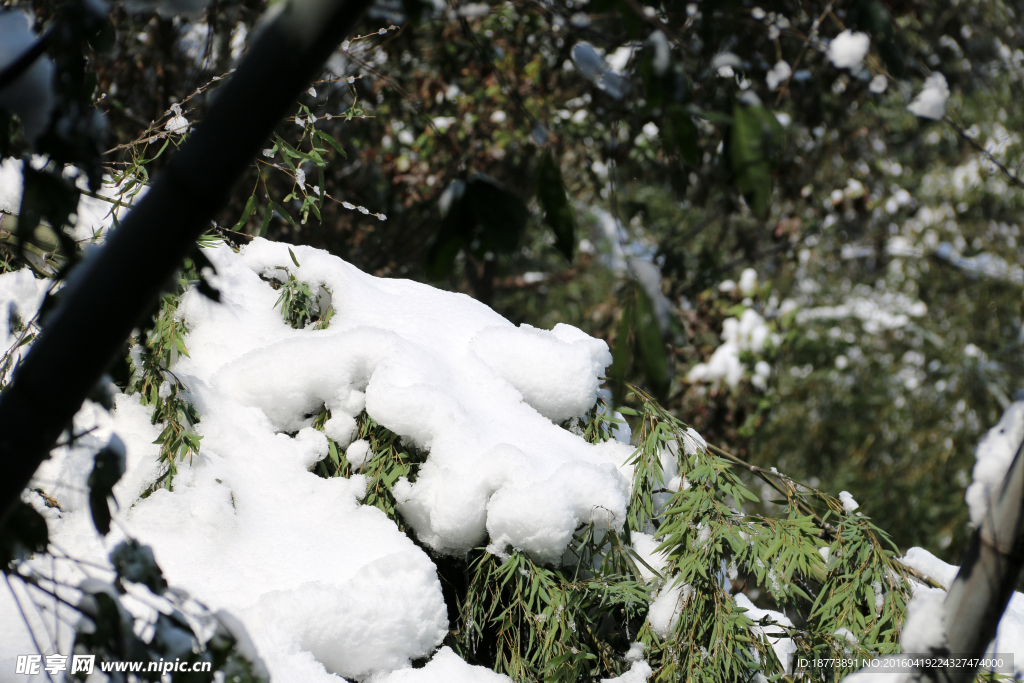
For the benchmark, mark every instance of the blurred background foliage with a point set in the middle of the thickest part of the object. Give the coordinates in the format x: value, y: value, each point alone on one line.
x: 648, y: 173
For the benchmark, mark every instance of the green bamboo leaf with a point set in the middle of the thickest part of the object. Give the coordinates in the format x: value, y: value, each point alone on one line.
x: 247, y: 212
x: 329, y: 139
x: 282, y: 212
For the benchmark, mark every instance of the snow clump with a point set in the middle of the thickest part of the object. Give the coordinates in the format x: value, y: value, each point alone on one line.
x: 777, y: 74
x: 847, y: 50
x: 849, y: 504
x: 930, y: 103
x: 667, y: 607
x: 925, y: 627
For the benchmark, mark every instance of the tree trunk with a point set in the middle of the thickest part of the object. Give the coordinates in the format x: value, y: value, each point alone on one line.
x: 988, y: 575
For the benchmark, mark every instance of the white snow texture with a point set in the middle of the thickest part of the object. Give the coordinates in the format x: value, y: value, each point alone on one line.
x: 930, y: 103
x: 847, y: 50
x: 993, y: 457
x: 328, y: 587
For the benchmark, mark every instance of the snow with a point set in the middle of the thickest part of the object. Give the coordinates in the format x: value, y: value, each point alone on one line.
x: 639, y: 672
x: 748, y: 333
x: 849, y: 504
x: 784, y: 647
x: 993, y: 457
x: 877, y: 311
x: 635, y: 652
x: 177, y: 123
x: 644, y: 545
x: 94, y: 216
x: 778, y: 74
x: 328, y: 587
x: 664, y: 612
x: 748, y: 281
x: 1010, y: 633
x: 31, y: 97
x: 925, y: 627
x: 847, y: 50
x: 445, y: 667
x: 930, y: 103
x: 357, y: 453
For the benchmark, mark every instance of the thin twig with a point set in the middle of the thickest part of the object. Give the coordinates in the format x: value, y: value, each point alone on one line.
x: 1010, y: 175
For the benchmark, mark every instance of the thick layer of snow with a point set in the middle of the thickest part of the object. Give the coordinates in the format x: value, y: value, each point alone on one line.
x: 994, y: 455
x: 452, y: 377
x: 930, y: 103
x: 847, y: 50
x: 784, y: 646
x: 328, y: 587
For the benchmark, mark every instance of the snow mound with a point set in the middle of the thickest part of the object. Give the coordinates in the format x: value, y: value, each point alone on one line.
x: 441, y: 370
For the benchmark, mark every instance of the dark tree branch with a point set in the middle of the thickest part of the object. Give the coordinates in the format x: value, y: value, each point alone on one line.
x: 988, y: 575
x: 108, y: 293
